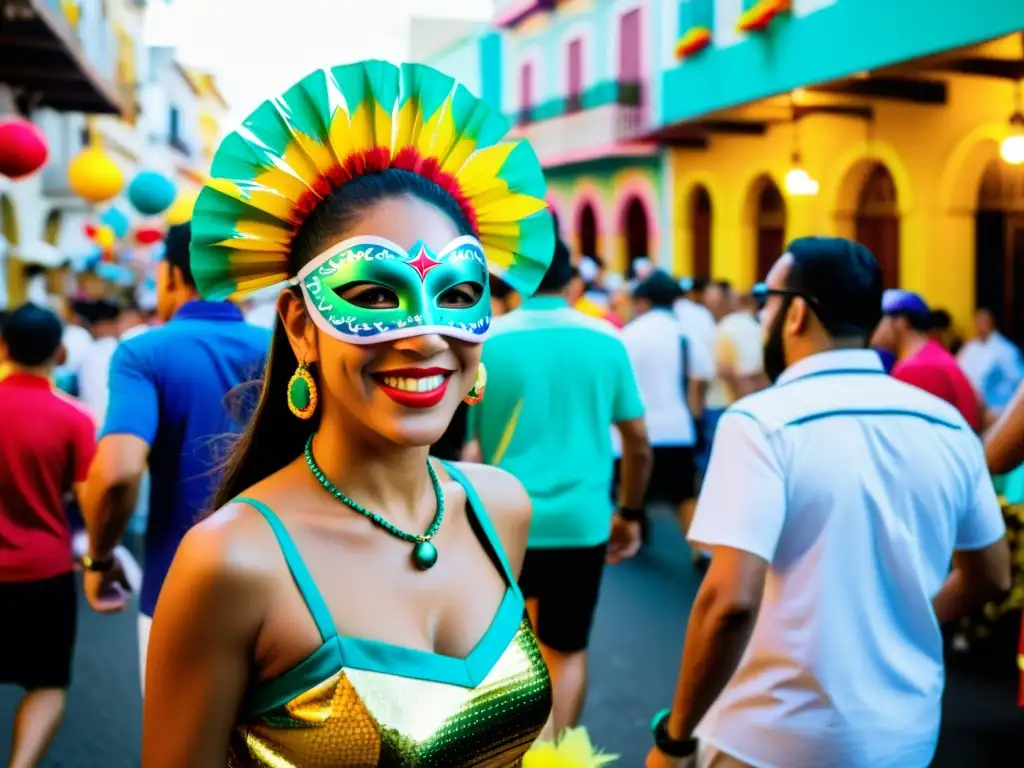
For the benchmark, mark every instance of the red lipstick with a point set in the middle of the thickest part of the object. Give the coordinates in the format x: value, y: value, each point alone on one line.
x: 414, y: 387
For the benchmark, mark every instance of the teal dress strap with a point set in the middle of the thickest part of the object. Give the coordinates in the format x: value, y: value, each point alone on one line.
x: 480, y: 512
x: 300, y: 573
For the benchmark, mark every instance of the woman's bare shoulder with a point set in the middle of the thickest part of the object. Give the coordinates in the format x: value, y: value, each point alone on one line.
x: 230, y: 546
x: 507, y: 505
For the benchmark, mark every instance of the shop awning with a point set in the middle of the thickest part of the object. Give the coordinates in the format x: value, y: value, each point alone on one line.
x: 42, y: 59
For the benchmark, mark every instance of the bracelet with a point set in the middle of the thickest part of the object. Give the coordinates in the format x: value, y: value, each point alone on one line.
x: 631, y: 515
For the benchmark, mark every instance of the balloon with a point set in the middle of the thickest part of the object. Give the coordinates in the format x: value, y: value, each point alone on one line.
x: 181, y: 209
x: 148, y: 236
x: 117, y: 221
x: 94, y: 177
x: 151, y: 193
x: 90, y: 231
x: 105, y: 238
x: 23, y: 147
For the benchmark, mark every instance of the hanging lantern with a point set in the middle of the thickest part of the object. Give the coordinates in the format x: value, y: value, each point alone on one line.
x: 94, y: 177
x: 23, y: 148
x: 151, y: 193
x: 181, y: 210
x: 148, y: 236
x: 117, y: 222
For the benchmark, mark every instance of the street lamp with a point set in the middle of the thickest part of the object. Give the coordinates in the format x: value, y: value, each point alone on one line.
x: 798, y: 182
x: 1012, y: 147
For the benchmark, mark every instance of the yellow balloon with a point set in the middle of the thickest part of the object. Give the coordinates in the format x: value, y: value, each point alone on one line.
x: 105, y: 238
x: 94, y: 177
x: 181, y: 209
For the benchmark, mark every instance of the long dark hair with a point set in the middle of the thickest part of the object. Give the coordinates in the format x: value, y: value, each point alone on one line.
x: 274, y: 437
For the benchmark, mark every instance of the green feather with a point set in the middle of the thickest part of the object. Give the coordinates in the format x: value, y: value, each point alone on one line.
x: 522, y: 172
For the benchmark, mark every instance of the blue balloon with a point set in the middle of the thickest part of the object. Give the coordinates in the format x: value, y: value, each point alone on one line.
x: 117, y: 221
x: 151, y: 193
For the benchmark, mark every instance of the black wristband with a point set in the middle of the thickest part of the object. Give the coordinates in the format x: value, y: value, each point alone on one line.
x: 631, y: 515
x: 98, y: 566
x: 678, y: 748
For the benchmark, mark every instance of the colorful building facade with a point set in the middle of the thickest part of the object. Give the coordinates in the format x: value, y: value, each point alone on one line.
x: 705, y: 134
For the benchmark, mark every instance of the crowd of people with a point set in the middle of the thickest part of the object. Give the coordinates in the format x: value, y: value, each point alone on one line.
x: 377, y: 534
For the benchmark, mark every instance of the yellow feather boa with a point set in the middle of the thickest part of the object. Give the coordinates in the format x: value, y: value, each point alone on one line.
x: 572, y: 749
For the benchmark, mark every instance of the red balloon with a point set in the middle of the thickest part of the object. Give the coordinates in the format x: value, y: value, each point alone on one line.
x: 148, y: 236
x: 90, y: 231
x: 23, y: 148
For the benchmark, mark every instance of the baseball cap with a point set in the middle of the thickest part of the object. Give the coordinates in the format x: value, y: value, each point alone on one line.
x: 900, y: 302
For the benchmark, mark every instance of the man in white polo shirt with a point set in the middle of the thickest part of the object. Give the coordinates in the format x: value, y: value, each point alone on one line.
x: 833, y: 504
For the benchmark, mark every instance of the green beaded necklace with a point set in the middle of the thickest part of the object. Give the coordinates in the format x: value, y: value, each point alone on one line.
x: 424, y: 553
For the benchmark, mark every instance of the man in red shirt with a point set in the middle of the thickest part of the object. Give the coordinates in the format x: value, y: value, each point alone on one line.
x: 47, y: 442
x: 920, y: 360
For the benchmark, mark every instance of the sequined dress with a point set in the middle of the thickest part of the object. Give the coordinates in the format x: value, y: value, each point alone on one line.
x: 359, y: 703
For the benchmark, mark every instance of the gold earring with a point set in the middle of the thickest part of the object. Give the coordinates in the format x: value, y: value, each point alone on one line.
x: 476, y: 393
x: 302, y: 393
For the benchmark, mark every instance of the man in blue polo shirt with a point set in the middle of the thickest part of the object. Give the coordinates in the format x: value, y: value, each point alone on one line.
x: 168, y: 405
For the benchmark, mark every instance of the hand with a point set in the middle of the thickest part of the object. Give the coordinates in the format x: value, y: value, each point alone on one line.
x: 658, y: 759
x: 625, y: 540
x: 107, y: 591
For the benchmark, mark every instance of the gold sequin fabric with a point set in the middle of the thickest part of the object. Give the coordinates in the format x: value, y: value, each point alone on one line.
x: 367, y: 719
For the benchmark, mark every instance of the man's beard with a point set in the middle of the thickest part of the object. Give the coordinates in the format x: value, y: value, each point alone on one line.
x: 773, y: 351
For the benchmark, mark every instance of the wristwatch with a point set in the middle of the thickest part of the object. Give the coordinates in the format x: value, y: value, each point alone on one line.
x: 665, y: 743
x: 631, y: 515
x: 97, y: 566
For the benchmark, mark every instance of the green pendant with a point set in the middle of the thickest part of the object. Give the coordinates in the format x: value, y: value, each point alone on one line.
x: 299, y: 393
x: 424, y: 554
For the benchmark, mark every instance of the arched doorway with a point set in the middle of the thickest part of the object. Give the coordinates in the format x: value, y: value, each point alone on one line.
x: 637, y: 234
x: 877, y: 222
x: 999, y: 246
x: 587, y: 231
x: 771, y: 225
x: 700, y: 231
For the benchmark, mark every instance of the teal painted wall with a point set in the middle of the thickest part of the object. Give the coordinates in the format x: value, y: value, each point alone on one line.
x: 476, y: 62
x: 836, y: 41
x: 491, y: 57
x: 462, y: 60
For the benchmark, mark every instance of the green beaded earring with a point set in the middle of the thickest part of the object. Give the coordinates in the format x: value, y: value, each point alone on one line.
x: 302, y: 393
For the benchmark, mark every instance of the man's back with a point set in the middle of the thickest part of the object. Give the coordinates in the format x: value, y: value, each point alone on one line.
x: 169, y: 387
x: 935, y: 370
x: 557, y: 381
x: 47, y: 442
x: 865, y: 488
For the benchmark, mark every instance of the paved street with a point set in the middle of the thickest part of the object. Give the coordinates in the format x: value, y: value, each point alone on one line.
x: 636, y: 653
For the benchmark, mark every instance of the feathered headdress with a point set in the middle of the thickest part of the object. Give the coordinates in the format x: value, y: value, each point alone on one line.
x: 341, y: 123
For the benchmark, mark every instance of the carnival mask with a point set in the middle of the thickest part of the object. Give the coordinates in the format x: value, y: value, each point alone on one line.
x: 407, y: 293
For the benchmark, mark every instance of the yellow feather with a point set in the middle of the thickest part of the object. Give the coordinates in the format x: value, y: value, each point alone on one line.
x: 456, y: 159
x: 316, y: 158
x: 381, y: 127
x: 339, y: 134
x: 482, y: 167
x: 408, y: 124
x: 509, y: 208
x: 361, y: 127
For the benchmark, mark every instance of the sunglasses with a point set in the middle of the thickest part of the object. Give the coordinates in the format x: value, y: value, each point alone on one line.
x: 762, y: 292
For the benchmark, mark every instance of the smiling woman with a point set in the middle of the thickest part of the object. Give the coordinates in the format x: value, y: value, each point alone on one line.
x: 351, y: 596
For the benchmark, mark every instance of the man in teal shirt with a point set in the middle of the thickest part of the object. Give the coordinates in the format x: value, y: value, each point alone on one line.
x: 558, y: 381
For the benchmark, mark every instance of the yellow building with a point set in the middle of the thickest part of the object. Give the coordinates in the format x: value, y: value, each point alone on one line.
x: 904, y: 157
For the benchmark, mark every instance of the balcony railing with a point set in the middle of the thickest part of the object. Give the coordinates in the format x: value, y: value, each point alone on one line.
x: 601, y: 117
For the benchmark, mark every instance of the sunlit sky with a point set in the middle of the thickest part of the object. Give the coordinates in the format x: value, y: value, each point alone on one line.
x: 257, y: 49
